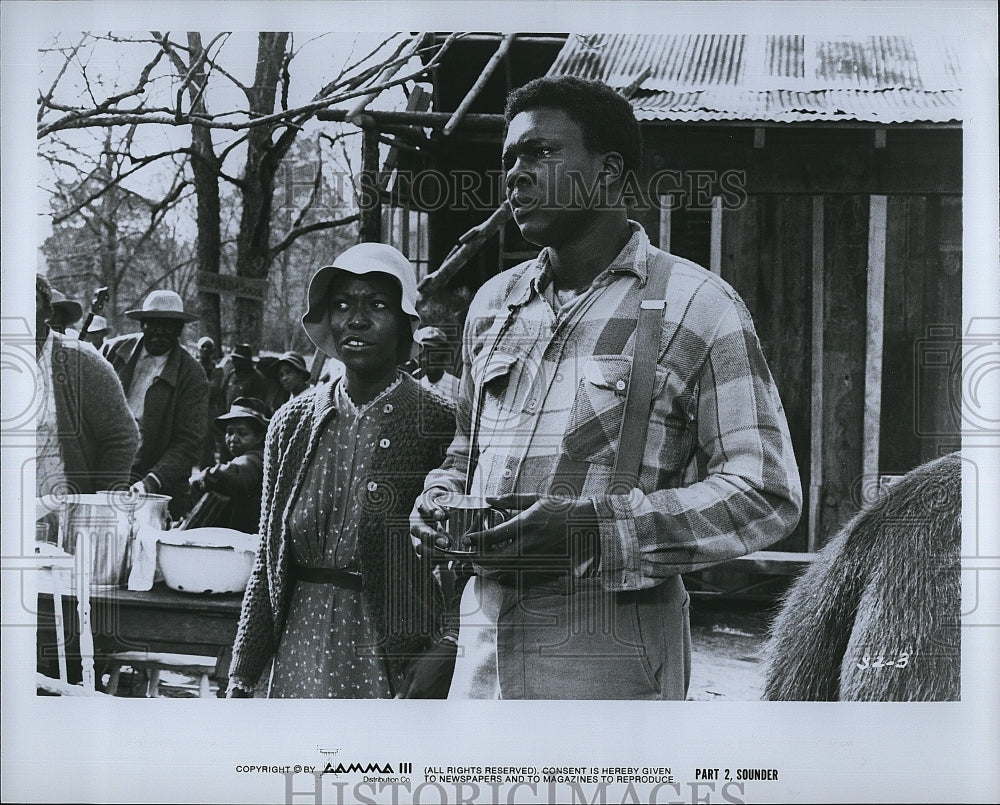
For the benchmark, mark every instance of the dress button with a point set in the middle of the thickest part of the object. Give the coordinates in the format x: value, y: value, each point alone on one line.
x: 384, y: 443
x: 508, y: 472
x: 620, y: 385
x: 387, y: 408
x: 372, y: 486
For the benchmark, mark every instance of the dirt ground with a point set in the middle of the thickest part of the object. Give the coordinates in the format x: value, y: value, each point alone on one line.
x: 727, y: 639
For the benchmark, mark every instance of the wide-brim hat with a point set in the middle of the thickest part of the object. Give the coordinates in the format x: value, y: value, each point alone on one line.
x: 245, y: 408
x: 161, y: 305
x: 66, y: 311
x: 293, y: 359
x: 365, y: 258
x: 244, y: 351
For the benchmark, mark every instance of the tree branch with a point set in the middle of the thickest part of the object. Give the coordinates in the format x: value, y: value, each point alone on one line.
x: 295, y: 234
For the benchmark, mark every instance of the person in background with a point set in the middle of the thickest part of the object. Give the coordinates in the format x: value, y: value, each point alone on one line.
x: 208, y: 359
x: 97, y: 332
x: 87, y: 436
x: 291, y: 375
x: 338, y: 598
x: 240, y: 479
x: 243, y: 380
x: 434, y: 361
x: 167, y: 393
x: 65, y: 313
x: 86, y: 440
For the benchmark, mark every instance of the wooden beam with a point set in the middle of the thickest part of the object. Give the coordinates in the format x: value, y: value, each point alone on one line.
x: 874, y: 327
x: 430, y: 120
x: 759, y: 137
x: 666, y: 203
x: 633, y: 88
x: 477, y: 87
x: 470, y: 243
x: 816, y: 405
x: 715, y: 254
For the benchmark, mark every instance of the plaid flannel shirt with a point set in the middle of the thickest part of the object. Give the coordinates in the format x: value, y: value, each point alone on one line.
x: 718, y: 478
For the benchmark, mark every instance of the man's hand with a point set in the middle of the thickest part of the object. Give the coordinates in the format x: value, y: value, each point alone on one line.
x: 549, y: 534
x: 425, y: 524
x: 429, y: 676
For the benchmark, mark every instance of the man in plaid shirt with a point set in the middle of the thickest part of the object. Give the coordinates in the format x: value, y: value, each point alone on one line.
x: 578, y: 594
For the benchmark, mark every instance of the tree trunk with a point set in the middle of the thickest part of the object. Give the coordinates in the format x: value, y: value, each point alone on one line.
x: 205, y: 169
x: 263, y: 158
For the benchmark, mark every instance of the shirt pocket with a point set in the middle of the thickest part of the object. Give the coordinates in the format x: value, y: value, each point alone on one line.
x: 498, y: 389
x: 596, y: 416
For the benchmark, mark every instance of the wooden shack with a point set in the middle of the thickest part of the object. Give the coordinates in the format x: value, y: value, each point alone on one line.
x: 821, y: 177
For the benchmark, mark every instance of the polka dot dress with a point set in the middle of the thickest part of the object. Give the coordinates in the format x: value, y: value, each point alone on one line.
x: 328, y: 649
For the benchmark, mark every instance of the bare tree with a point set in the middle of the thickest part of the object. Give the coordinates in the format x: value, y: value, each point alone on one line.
x: 173, y: 89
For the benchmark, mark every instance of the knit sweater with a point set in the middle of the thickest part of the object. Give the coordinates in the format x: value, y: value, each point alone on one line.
x: 97, y: 434
x: 401, y: 595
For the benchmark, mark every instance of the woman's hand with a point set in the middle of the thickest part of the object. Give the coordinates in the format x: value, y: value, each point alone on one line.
x: 429, y: 676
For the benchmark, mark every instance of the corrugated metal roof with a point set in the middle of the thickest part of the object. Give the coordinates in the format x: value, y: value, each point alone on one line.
x: 775, y: 78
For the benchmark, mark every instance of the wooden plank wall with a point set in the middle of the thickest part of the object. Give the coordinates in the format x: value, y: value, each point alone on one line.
x: 923, y: 308
x: 766, y: 257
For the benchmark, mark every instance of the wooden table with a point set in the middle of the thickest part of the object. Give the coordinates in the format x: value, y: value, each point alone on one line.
x: 161, y: 620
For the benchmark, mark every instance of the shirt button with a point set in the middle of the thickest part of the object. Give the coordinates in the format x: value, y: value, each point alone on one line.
x: 620, y: 385
x: 387, y: 408
x: 384, y: 443
x: 372, y: 486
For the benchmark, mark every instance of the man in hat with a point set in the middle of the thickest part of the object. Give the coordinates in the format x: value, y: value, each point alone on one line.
x: 240, y: 379
x: 243, y: 380
x: 167, y: 393
x: 578, y: 595
x: 97, y: 332
x: 239, y: 480
x: 87, y: 437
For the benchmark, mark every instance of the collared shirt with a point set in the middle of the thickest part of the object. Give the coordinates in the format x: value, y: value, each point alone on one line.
x: 50, y: 472
x: 718, y: 478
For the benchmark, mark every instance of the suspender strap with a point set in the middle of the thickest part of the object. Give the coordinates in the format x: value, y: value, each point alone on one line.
x: 635, y: 421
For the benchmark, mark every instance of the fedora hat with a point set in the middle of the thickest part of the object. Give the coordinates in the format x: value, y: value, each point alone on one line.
x: 161, y: 305
x: 365, y: 258
x: 244, y: 351
x: 245, y: 408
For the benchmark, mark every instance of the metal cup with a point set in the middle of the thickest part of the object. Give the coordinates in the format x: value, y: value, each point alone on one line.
x: 467, y: 514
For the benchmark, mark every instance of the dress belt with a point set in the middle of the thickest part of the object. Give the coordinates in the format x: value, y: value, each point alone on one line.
x: 328, y: 575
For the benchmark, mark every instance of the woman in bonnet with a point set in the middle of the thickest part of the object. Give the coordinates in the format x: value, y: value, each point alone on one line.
x: 338, y: 598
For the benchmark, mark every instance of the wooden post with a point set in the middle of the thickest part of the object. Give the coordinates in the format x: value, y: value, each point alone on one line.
x: 715, y: 256
x: 370, y: 229
x: 874, y: 326
x: 816, y: 406
x: 666, y: 202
